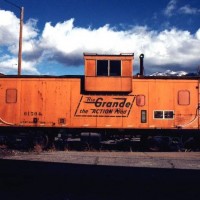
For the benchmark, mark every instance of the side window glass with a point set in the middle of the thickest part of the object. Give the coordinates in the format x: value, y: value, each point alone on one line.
x: 143, y: 116
x: 108, y: 68
x: 169, y: 114
x: 158, y: 114
x: 102, y: 67
x: 115, y: 68
x: 163, y: 114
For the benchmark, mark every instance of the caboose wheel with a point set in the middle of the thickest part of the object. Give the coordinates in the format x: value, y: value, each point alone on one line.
x: 40, y: 141
x: 191, y: 143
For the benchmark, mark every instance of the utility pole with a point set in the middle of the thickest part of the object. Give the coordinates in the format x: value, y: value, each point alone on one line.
x: 20, y: 41
x: 20, y: 35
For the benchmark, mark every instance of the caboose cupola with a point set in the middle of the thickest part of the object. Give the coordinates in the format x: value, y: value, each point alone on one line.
x: 108, y: 73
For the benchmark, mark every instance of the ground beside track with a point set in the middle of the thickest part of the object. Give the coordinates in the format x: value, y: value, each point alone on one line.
x: 172, y: 160
x: 98, y: 176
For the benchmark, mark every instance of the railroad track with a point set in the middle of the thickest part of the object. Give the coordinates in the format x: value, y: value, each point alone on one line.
x: 149, y: 144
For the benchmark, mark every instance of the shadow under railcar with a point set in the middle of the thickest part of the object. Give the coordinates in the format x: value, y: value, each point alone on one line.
x: 40, y: 180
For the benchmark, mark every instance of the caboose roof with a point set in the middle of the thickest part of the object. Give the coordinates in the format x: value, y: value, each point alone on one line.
x: 120, y: 54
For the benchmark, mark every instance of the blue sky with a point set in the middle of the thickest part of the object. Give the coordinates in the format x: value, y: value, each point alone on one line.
x: 57, y: 32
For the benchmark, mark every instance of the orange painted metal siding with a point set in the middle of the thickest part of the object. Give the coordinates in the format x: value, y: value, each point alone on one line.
x: 122, y: 83
x: 111, y: 84
x: 47, y: 100
x: 58, y: 102
x: 127, y: 69
x: 90, y: 67
x: 9, y: 112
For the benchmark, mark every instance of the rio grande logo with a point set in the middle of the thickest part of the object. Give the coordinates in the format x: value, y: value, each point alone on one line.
x: 105, y: 106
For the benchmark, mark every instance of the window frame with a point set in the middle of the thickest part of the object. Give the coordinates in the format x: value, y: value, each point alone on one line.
x: 109, y: 68
x: 120, y: 67
x: 163, y: 114
x: 101, y: 67
x: 143, y: 118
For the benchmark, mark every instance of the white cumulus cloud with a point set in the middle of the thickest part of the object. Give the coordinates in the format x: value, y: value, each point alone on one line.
x: 64, y: 43
x: 8, y: 65
x: 9, y: 40
x: 198, y: 34
x: 8, y: 28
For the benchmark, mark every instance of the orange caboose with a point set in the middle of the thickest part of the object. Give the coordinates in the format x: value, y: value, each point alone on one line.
x: 107, y: 99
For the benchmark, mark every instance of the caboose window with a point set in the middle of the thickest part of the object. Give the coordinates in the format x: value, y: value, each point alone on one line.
x: 108, y: 68
x: 163, y: 114
x: 102, y: 67
x: 11, y: 96
x: 168, y: 114
x: 143, y: 116
x: 158, y: 114
x: 115, y: 68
